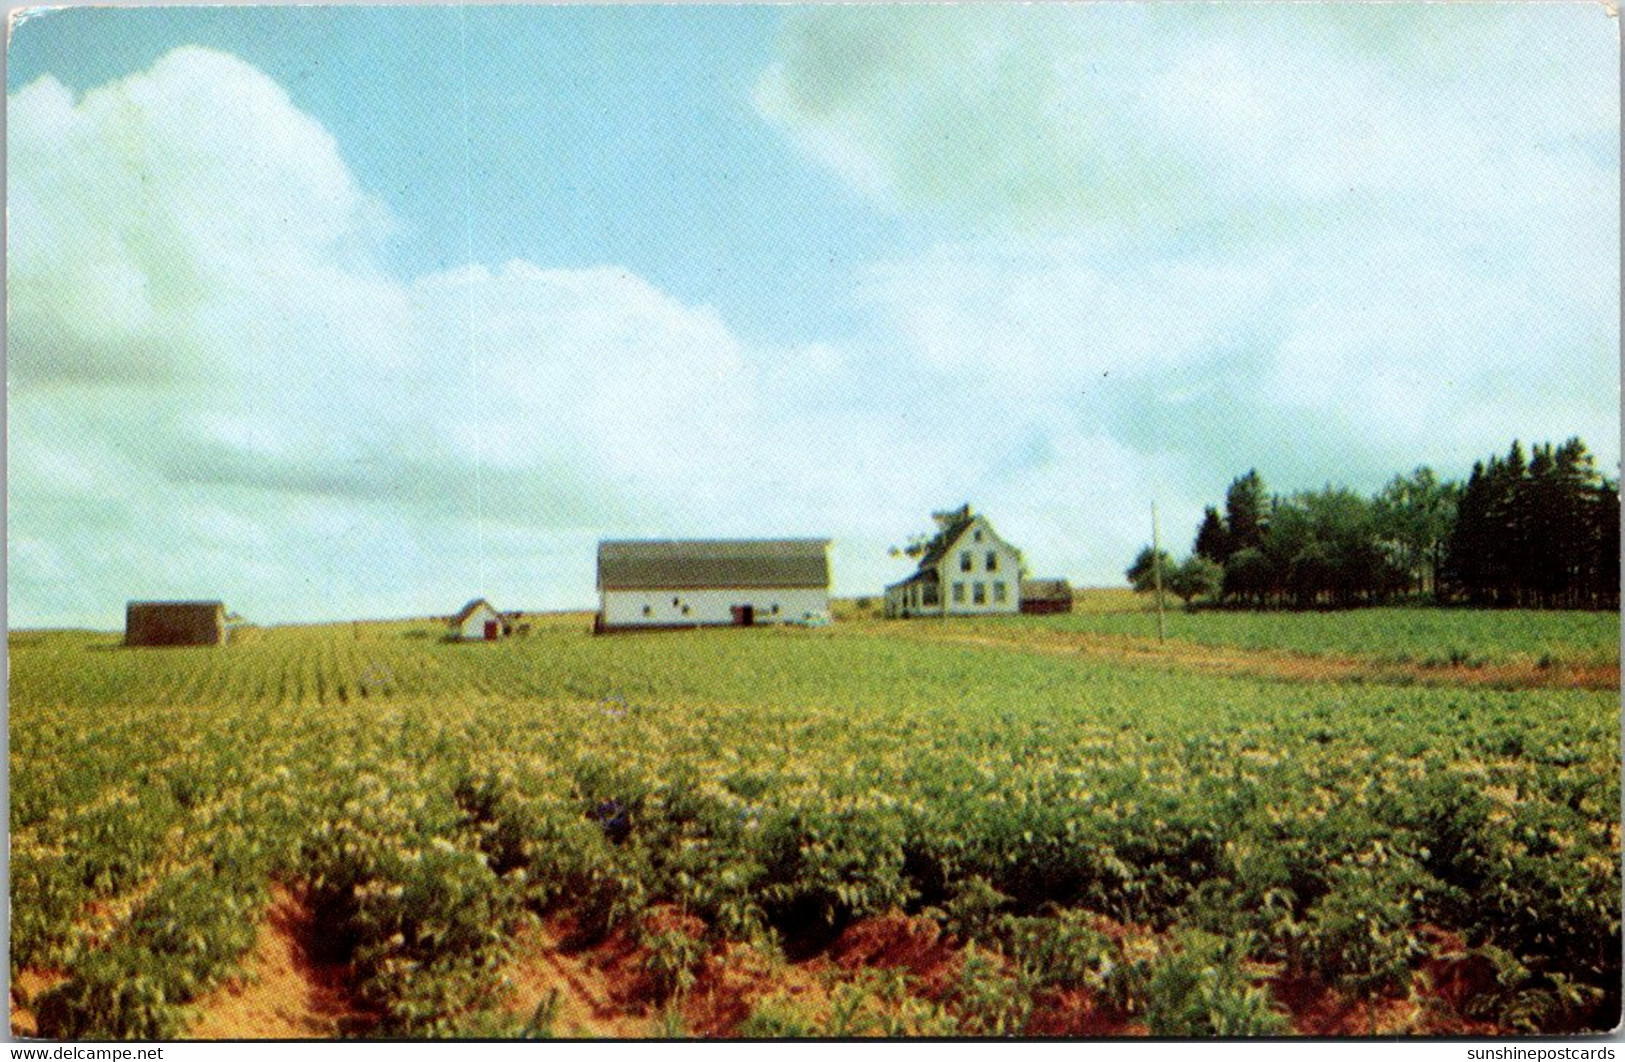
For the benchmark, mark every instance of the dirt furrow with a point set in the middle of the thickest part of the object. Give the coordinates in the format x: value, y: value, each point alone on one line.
x: 286, y: 991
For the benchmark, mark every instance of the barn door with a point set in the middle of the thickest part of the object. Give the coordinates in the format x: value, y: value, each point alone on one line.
x: 744, y: 615
x: 490, y: 630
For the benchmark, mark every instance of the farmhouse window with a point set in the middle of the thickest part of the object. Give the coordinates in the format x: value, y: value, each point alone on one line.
x: 685, y: 610
x: 675, y: 602
x: 964, y: 562
x: 979, y: 593
x: 959, y: 593
x: 992, y: 560
x: 998, y: 592
x: 977, y: 536
x: 774, y: 610
x: 648, y: 610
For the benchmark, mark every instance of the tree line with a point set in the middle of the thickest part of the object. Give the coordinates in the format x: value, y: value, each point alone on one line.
x: 1529, y: 531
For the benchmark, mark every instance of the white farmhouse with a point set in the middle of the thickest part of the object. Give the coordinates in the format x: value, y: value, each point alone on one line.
x: 712, y: 583
x: 478, y: 622
x: 966, y: 570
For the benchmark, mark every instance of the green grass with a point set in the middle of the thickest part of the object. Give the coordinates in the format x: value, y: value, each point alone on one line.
x: 1415, y: 635
x: 795, y: 779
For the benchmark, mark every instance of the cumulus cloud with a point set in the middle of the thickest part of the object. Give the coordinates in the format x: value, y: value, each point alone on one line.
x: 1060, y: 314
x: 1338, y: 239
x: 219, y: 389
x: 1348, y: 362
x: 597, y: 361
x: 162, y: 217
x: 1232, y: 118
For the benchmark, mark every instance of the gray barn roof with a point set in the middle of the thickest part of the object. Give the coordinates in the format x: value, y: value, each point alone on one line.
x: 720, y: 563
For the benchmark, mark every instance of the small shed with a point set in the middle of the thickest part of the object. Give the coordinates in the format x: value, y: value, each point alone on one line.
x: 1046, y: 595
x: 175, y: 623
x: 479, y: 622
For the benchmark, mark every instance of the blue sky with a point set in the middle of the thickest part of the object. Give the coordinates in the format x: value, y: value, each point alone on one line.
x: 364, y: 311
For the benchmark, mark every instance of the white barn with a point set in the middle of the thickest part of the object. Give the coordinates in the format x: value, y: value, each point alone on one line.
x: 737, y: 582
x: 966, y: 570
x: 478, y: 622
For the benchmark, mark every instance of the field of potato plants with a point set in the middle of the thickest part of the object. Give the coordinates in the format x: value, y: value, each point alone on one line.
x: 871, y: 829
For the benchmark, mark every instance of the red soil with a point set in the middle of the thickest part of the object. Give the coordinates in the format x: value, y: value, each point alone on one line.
x: 285, y: 992
x: 591, y: 983
x: 605, y: 990
x: 26, y: 988
x: 897, y: 941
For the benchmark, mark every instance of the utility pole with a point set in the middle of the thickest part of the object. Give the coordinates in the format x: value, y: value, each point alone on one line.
x: 1156, y: 571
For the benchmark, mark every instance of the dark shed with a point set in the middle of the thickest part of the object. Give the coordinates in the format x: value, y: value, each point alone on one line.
x: 1046, y: 595
x: 175, y: 623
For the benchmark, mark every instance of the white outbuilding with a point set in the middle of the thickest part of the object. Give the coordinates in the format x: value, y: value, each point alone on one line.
x: 478, y: 622
x: 717, y: 582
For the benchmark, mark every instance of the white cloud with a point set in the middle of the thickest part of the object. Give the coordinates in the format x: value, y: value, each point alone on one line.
x: 1339, y: 239
x: 178, y: 224
x: 594, y: 364
x: 1234, y: 116
x: 1059, y: 315
x: 219, y: 390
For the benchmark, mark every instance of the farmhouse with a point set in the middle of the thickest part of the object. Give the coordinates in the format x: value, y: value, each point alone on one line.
x: 697, y: 583
x: 479, y: 622
x: 966, y: 570
x: 1046, y: 595
x: 175, y: 623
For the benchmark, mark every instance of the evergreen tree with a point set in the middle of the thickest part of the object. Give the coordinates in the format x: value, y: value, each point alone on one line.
x: 1246, y: 512
x: 1534, y: 529
x: 1600, y: 583
x: 1212, y: 540
x: 1468, y: 561
x: 1543, y: 526
x: 1509, y: 549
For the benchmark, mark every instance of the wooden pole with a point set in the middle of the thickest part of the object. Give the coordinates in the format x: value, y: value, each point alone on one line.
x: 1156, y: 571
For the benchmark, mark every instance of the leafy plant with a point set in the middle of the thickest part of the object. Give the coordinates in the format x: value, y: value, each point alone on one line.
x: 1200, y: 987
x: 988, y: 1000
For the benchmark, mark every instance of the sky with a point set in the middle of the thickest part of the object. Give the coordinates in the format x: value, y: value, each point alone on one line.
x: 338, y: 312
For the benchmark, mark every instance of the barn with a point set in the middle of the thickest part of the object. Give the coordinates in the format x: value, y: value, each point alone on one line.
x: 175, y: 623
x: 711, y: 583
x: 1046, y: 595
x: 479, y: 622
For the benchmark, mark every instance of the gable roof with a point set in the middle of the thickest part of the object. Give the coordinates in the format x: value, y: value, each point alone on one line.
x: 800, y: 563
x: 939, y: 546
x: 946, y: 539
x: 469, y: 609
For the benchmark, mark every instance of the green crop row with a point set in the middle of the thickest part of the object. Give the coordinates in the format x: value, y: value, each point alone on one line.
x: 1427, y: 636
x: 777, y: 787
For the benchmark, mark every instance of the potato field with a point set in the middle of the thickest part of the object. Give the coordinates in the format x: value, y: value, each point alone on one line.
x: 1384, y: 822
